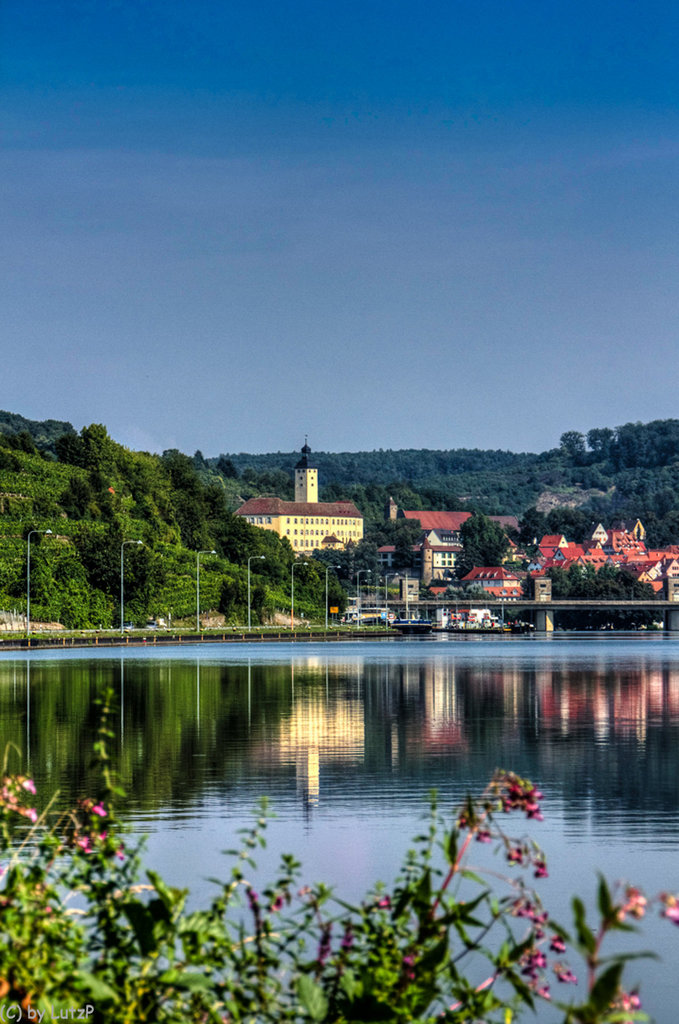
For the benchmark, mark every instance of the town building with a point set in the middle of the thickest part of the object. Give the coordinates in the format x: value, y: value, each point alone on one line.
x: 309, y: 524
x: 437, y: 549
x: 495, y: 580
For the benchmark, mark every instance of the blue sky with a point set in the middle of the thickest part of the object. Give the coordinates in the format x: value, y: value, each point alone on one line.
x: 384, y: 225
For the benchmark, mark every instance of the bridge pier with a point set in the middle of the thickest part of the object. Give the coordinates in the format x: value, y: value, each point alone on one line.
x: 544, y: 620
x: 544, y: 617
x: 671, y: 617
x: 671, y: 622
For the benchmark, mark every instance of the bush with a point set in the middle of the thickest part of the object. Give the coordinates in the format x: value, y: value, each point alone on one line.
x: 78, y: 930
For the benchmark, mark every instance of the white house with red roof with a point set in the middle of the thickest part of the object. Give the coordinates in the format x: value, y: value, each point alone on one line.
x: 495, y: 580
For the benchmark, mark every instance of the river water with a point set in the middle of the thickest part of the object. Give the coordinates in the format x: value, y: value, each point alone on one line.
x: 348, y: 739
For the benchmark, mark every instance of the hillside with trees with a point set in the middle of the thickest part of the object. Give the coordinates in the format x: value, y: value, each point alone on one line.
x: 92, y: 495
x: 606, y: 474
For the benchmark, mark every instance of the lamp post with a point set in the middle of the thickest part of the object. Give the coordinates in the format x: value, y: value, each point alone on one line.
x: 326, y: 591
x: 358, y: 596
x: 198, y: 554
x: 292, y: 592
x: 28, y: 577
x: 122, y: 582
x: 386, y: 594
x: 261, y: 558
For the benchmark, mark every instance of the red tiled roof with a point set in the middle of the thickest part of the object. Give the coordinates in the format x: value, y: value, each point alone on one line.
x: 438, y: 520
x: 570, y: 551
x: 552, y: 540
x: 278, y: 507
x: 490, y: 572
x: 452, y: 520
x: 593, y: 558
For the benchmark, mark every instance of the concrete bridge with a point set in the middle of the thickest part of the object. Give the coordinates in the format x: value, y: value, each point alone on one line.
x: 543, y: 609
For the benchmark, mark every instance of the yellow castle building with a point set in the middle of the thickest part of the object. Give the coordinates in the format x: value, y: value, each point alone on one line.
x: 309, y: 524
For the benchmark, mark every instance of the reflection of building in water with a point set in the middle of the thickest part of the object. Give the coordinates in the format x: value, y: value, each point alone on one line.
x: 308, y: 775
x: 317, y: 732
x: 441, y: 727
x: 623, y: 703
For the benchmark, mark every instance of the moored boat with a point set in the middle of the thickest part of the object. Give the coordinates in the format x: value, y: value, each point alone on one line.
x: 411, y: 627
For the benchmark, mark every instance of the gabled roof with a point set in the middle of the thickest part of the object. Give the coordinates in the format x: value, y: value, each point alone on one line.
x: 570, y: 551
x: 594, y: 556
x: 278, y: 507
x: 552, y: 540
x: 490, y: 572
x: 453, y: 520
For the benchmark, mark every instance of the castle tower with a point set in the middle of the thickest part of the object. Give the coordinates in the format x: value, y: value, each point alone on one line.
x: 306, y: 478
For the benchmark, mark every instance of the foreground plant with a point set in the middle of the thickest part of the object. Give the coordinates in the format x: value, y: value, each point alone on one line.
x: 78, y: 931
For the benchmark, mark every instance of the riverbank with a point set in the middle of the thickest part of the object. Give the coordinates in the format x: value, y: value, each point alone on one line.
x: 154, y: 638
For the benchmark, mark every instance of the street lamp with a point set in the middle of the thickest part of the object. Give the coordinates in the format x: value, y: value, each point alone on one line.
x: 358, y: 595
x: 28, y: 577
x: 122, y: 584
x: 386, y: 593
x: 198, y: 554
x: 326, y: 591
x: 261, y: 558
x: 292, y: 592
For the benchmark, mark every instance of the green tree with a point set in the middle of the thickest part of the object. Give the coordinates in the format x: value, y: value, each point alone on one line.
x: 484, y: 543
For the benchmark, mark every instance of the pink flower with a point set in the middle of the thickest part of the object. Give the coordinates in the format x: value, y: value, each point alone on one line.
x: 635, y: 904
x: 384, y: 903
x: 557, y: 945
x: 29, y: 786
x: 32, y: 814
x: 540, y: 869
x: 84, y: 844
x: 565, y: 975
x: 100, y: 810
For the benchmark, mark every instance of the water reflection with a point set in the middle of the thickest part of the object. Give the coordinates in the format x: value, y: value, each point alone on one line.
x: 334, y: 728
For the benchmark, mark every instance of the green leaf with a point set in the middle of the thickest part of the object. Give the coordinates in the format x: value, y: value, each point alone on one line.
x: 423, y: 889
x: 604, y: 899
x: 472, y: 876
x: 190, y: 980
x: 171, y: 897
x: 606, y: 987
x: 312, y: 998
x: 89, y: 984
x: 142, y: 924
x: 350, y: 984
x: 585, y: 936
x: 436, y: 956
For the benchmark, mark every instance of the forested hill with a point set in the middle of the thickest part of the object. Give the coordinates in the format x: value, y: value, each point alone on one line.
x: 623, y: 471
x: 607, y: 473
x: 43, y: 433
x: 384, y: 465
